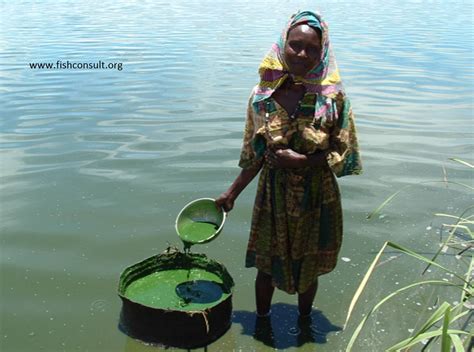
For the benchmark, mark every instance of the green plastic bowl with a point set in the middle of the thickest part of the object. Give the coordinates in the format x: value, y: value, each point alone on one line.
x: 200, y: 221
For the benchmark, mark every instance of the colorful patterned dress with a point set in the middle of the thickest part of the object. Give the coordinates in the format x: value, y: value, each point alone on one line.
x: 296, y: 230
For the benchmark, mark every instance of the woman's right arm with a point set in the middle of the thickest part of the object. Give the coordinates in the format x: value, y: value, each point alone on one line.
x: 226, y: 200
x: 250, y: 162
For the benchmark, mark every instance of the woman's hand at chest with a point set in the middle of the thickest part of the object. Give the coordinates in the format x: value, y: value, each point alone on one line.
x: 284, y: 159
x: 289, y: 159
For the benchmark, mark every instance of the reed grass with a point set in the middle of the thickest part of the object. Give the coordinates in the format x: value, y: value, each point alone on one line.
x: 441, y: 324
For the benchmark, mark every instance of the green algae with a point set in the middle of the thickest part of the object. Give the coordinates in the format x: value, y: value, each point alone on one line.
x: 199, y: 222
x: 202, y: 289
x: 158, y: 282
x: 197, y: 231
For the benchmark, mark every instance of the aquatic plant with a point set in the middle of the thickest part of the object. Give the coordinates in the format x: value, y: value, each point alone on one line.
x: 442, y: 324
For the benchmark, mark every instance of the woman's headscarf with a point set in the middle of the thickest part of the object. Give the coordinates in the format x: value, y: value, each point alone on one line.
x: 323, y: 79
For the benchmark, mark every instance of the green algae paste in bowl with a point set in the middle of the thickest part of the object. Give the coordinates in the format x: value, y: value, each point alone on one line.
x: 199, y: 222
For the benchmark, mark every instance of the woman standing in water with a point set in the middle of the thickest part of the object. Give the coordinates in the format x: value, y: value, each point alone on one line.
x: 300, y: 134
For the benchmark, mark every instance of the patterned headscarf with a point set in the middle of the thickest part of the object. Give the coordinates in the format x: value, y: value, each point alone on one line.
x: 323, y: 79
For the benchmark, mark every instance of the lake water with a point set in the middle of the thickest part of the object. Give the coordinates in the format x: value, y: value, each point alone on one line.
x: 96, y: 164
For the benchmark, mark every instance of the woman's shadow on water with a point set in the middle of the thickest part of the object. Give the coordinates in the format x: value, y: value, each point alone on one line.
x: 284, y: 329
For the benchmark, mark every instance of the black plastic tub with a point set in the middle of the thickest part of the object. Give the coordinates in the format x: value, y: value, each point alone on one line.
x: 176, y: 299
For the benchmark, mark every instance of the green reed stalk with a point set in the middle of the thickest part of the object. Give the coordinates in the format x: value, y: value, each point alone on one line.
x: 446, y: 314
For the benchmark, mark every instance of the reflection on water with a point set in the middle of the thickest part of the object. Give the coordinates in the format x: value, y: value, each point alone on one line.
x: 199, y: 291
x: 96, y: 164
x: 283, y: 329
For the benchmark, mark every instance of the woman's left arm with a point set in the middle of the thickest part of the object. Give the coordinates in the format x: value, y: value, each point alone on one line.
x: 343, y: 155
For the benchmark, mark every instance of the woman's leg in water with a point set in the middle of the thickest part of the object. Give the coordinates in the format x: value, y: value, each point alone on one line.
x: 305, y: 299
x: 263, y: 293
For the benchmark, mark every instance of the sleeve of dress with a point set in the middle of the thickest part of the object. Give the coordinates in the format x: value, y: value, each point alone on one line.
x: 252, y: 151
x: 343, y: 155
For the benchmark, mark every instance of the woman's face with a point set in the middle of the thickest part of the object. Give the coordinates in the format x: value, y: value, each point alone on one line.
x: 302, y: 49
